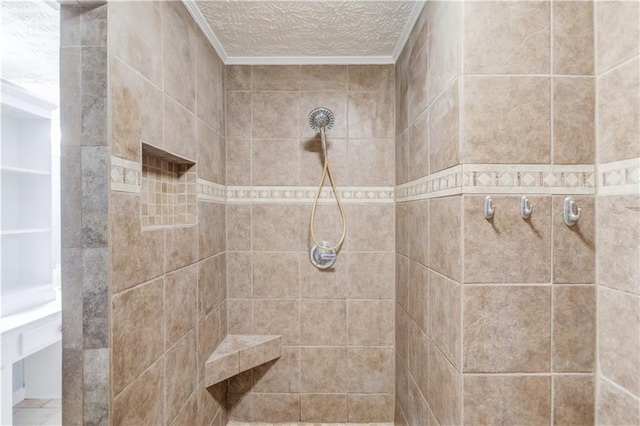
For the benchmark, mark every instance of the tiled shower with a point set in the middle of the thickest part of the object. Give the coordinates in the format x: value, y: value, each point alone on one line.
x: 187, y: 190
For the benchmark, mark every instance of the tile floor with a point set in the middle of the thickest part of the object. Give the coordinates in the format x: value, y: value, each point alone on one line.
x: 38, y: 412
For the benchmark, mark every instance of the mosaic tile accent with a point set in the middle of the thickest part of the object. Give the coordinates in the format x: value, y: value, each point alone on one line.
x: 501, y: 179
x: 619, y: 177
x: 125, y: 175
x: 168, y: 193
x: 210, y: 191
x: 306, y: 194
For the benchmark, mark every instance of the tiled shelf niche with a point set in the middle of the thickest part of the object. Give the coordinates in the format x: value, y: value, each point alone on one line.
x: 168, y: 190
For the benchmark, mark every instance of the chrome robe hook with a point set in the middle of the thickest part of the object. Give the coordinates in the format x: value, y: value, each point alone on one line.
x: 526, y: 208
x: 570, y: 213
x: 489, y: 208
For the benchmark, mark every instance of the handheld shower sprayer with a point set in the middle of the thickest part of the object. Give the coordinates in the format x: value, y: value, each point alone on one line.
x: 323, y: 255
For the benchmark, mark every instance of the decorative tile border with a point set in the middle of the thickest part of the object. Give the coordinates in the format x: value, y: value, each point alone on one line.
x: 210, y: 191
x: 306, y: 194
x: 619, y: 177
x: 501, y: 179
x: 126, y: 175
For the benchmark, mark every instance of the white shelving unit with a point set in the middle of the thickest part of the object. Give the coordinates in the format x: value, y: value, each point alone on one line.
x: 26, y: 187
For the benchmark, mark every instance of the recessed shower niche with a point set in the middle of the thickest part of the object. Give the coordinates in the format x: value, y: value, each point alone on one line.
x: 168, y: 192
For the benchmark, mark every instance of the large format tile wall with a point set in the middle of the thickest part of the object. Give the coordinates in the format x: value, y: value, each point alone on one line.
x: 150, y: 300
x: 336, y: 325
x: 495, y: 318
x: 618, y: 211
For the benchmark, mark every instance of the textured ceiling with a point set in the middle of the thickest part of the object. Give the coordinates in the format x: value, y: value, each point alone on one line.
x: 30, y: 45
x: 285, y: 29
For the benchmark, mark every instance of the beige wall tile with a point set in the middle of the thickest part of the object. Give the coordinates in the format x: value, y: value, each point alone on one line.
x: 324, y: 408
x: 574, y: 328
x: 574, y: 247
x: 239, y: 274
x: 402, y: 231
x: 402, y: 158
x: 615, y: 407
x: 401, y: 104
x: 324, y: 369
x: 371, y: 322
x: 237, y: 77
x: 238, y: 162
x: 135, y: 108
x: 370, y: 370
x: 209, y: 83
x: 418, y: 294
x: 276, y: 114
x: 507, y: 399
x: 277, y: 407
x: 335, y: 101
x: 371, y: 162
x: 371, y: 77
x: 312, y: 161
x: 332, y: 283
x: 179, y: 59
x: 210, y: 400
x: 417, y: 407
x: 73, y: 385
x: 573, y: 119
x: 180, y: 303
x: 444, y: 388
x: 207, y: 338
x: 323, y: 77
x: 188, y: 414
x: 180, y: 374
x: 573, y: 38
x: 211, y: 154
x: 507, y: 329
x: 327, y: 225
x: 276, y: 77
x: 275, y: 227
x: 239, y: 316
x: 492, y: 249
x: 619, y: 113
x: 239, y: 226
x: 445, y: 328
x: 618, y: 236
x: 573, y: 400
x: 143, y: 401
x: 618, y: 32
x: 507, y: 119
x: 370, y: 408
x: 619, y: 338
x: 444, y: 124
x: 445, y: 226
x: 417, y: 85
x: 238, y: 116
x: 418, y: 150
x: 443, y: 47
x: 275, y: 275
x: 133, y: 30
x: 280, y: 375
x: 241, y: 407
x: 418, y: 357
x: 418, y: 231
x: 323, y: 322
x: 180, y: 248
x: 403, y: 323
x: 136, y: 316
x: 370, y: 227
x: 371, y: 115
x: 275, y: 162
x: 506, y: 38
x: 371, y: 275
x: 277, y: 317
x: 211, y: 219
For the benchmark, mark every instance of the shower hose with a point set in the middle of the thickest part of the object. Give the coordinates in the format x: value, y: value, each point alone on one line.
x: 327, y: 172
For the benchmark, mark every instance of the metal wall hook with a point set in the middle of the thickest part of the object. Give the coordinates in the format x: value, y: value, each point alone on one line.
x: 570, y: 213
x: 489, y: 208
x: 526, y: 208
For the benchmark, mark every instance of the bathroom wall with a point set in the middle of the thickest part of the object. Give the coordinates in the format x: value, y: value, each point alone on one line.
x: 337, y: 324
x: 144, y: 300
x: 505, y: 330
x: 618, y: 211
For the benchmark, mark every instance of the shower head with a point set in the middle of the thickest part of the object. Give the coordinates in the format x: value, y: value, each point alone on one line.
x: 321, y: 118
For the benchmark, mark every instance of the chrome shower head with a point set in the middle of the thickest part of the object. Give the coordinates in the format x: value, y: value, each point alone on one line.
x: 321, y: 118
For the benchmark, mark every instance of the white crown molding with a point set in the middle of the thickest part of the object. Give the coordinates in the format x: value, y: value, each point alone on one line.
x: 411, y: 22
x: 309, y: 60
x: 194, y: 10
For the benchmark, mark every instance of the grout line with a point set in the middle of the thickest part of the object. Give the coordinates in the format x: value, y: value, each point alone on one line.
x: 551, y: 234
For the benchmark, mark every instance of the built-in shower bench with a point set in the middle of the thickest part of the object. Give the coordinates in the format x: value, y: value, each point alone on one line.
x: 239, y: 353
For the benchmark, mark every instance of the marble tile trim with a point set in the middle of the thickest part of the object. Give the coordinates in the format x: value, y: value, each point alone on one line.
x: 126, y: 175
x: 619, y: 177
x: 210, y: 191
x: 306, y: 194
x: 501, y: 179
